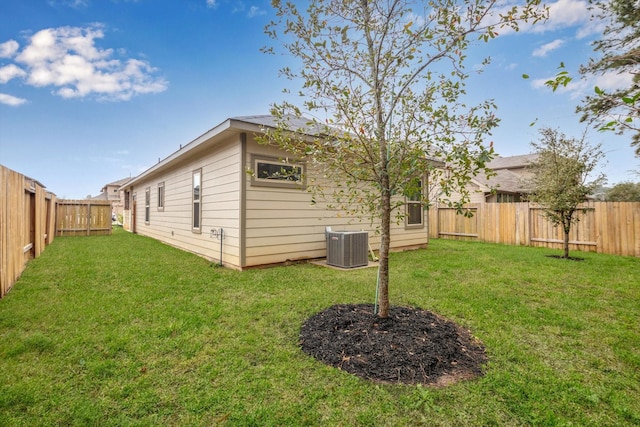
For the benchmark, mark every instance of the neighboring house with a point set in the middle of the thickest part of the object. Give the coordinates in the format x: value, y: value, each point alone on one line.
x: 225, y: 183
x: 113, y: 193
x: 509, y: 182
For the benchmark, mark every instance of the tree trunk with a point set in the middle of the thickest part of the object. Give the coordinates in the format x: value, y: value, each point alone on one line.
x: 383, y: 295
x: 566, y: 227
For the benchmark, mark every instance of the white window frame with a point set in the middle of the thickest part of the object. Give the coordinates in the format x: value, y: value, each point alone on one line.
x: 412, y: 201
x: 161, y: 196
x: 258, y: 181
x: 196, y: 201
x: 147, y: 205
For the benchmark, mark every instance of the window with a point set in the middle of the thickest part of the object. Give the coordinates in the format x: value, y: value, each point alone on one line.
x: 507, y: 198
x: 147, y: 204
x: 161, y: 196
x: 127, y: 196
x: 197, y: 201
x: 413, y: 208
x: 271, y: 172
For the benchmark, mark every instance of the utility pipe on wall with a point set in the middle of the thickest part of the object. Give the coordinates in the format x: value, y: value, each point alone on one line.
x: 218, y: 233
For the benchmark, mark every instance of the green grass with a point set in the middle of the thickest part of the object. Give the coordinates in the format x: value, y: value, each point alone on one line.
x: 123, y: 330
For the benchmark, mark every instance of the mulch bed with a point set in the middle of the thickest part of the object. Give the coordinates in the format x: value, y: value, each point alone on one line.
x: 571, y: 258
x: 411, y: 346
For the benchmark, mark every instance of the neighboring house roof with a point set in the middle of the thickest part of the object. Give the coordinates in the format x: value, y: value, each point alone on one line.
x: 117, y: 183
x: 101, y: 196
x: 511, y: 162
x: 105, y: 192
x: 505, y: 179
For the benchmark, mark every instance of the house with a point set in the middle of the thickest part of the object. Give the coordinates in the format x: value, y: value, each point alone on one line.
x: 509, y: 182
x: 112, y: 193
x: 202, y: 199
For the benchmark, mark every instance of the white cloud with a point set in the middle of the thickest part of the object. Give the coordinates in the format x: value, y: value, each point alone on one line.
x: 68, y: 59
x: 255, y: 11
x: 549, y: 47
x: 578, y: 88
x: 76, y: 4
x: 11, y: 100
x: 566, y: 14
x: 10, y: 72
x: 212, y: 3
x: 613, y: 81
x: 562, y: 14
x: 8, y: 49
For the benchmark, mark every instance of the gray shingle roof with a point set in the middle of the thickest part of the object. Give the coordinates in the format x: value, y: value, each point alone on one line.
x: 297, y: 124
x: 504, y: 181
x: 511, y: 162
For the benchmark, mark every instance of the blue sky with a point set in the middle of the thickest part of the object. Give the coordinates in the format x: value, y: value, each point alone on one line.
x: 92, y: 91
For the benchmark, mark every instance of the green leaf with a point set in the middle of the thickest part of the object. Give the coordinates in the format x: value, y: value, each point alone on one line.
x: 525, y: 76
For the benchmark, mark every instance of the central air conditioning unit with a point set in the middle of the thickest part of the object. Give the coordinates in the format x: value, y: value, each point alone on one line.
x: 347, y: 249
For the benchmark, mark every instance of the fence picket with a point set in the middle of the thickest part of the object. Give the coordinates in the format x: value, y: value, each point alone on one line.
x: 606, y: 227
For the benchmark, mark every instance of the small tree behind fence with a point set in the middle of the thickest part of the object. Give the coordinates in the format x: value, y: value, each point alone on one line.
x: 604, y: 227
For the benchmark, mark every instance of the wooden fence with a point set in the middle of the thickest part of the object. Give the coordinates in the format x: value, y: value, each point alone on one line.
x: 26, y: 224
x: 83, y: 218
x: 606, y: 227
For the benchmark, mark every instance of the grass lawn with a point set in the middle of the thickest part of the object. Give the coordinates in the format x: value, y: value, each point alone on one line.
x: 123, y: 330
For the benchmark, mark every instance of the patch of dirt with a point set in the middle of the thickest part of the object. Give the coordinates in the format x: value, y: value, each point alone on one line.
x: 571, y: 258
x: 411, y: 346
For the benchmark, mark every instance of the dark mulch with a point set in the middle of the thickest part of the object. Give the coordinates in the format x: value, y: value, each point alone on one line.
x: 571, y: 258
x: 411, y: 346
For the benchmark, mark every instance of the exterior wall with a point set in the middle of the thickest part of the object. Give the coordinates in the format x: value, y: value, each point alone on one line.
x: 221, y: 176
x: 262, y: 224
x: 281, y: 224
x: 476, y: 194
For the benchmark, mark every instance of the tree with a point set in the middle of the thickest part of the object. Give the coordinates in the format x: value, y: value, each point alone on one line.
x: 624, y: 192
x: 619, y: 110
x: 560, y: 177
x: 385, y: 82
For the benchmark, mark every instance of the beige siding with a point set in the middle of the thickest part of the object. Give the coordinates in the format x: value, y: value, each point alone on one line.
x: 283, y: 225
x: 221, y: 177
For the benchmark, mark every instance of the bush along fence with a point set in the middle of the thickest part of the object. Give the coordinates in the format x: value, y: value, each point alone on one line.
x: 604, y: 227
x: 27, y: 224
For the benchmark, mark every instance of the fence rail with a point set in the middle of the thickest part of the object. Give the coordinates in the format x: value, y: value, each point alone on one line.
x: 83, y: 218
x: 26, y: 224
x: 605, y: 227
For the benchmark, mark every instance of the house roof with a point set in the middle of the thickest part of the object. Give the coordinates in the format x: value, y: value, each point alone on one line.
x: 117, y: 183
x: 230, y: 126
x: 511, y: 162
x: 297, y: 124
x: 101, y: 196
x: 504, y: 181
x: 234, y: 125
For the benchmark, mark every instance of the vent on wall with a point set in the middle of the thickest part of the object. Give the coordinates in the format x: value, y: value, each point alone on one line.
x: 347, y: 249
